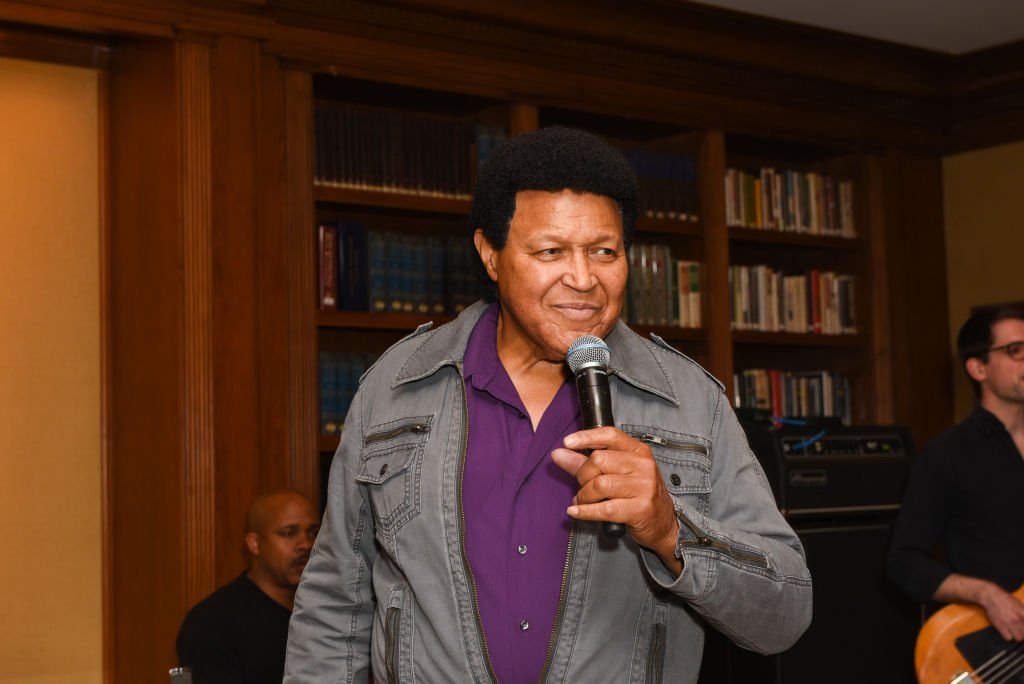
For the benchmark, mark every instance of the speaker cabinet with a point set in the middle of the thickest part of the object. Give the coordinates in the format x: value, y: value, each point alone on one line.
x: 863, y: 629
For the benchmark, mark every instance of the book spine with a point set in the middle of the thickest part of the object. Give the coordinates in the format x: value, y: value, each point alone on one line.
x: 328, y: 274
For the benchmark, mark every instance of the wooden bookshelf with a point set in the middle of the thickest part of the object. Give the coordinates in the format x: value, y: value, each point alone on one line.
x: 365, y: 320
x: 794, y: 240
x: 779, y: 339
x: 391, y: 199
x: 208, y: 140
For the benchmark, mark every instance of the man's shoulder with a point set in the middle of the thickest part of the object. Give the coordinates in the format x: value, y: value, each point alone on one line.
x: 950, y: 446
x: 224, y: 603
x: 677, y: 362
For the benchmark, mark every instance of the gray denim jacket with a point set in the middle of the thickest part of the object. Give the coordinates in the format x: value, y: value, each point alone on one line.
x: 388, y: 584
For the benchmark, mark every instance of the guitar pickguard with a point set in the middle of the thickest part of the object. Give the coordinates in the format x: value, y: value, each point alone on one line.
x: 993, y: 660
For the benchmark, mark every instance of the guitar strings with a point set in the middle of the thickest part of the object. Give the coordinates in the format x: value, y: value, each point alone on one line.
x: 1003, y: 667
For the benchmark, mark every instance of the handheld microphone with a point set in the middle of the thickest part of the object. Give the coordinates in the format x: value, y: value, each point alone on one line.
x: 588, y: 358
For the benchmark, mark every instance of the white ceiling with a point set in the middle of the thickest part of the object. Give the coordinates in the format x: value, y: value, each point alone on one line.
x: 952, y: 26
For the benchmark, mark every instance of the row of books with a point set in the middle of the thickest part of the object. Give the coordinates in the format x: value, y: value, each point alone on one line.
x: 769, y: 300
x: 402, y: 152
x: 792, y: 201
x: 363, y: 269
x: 662, y: 290
x: 668, y: 184
x: 339, y: 380
x: 804, y: 394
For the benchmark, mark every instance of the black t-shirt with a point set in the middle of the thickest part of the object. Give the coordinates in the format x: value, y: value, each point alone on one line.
x: 236, y: 635
x: 966, y: 494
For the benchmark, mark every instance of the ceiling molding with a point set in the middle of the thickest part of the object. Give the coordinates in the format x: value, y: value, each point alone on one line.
x: 674, y: 61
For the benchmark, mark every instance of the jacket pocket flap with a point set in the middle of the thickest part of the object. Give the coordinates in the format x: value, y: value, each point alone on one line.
x: 382, y: 465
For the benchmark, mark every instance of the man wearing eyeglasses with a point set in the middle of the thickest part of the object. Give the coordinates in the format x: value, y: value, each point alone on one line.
x: 966, y: 494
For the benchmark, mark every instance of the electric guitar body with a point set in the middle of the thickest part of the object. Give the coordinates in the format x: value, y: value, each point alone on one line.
x: 959, y: 645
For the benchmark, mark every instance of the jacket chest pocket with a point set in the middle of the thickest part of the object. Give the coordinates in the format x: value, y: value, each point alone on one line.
x: 389, y: 469
x: 684, y: 461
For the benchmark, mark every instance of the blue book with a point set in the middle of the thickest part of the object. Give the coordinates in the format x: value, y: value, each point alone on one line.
x: 434, y: 252
x: 353, y: 267
x: 328, y: 367
x: 378, y: 263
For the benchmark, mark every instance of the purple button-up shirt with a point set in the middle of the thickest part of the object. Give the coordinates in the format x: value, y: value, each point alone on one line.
x: 514, y: 498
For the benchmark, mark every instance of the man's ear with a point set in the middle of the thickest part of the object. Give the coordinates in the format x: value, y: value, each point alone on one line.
x: 487, y: 252
x: 976, y: 369
x: 252, y: 542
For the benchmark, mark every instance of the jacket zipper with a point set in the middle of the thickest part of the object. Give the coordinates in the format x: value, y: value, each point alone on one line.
x: 570, y: 553
x: 462, y: 529
x: 672, y: 444
x: 415, y: 428
x: 655, y: 655
x: 391, y: 622
x: 707, y: 541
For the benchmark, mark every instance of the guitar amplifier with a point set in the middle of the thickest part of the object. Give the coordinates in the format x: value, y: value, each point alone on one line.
x: 830, y: 468
x: 840, y: 488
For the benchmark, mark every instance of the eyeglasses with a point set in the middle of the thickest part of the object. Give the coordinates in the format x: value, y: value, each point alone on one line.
x: 1015, y: 350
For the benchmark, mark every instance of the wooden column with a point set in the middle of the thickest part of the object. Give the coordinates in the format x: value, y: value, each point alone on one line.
x: 301, y: 330
x: 916, y: 270
x: 716, y: 256
x: 198, y: 494
x: 876, y: 315
x: 152, y: 431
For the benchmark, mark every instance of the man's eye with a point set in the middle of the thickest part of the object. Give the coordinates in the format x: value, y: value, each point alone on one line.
x: 1015, y: 350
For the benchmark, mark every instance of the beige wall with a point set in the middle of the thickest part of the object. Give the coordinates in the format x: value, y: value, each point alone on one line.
x: 984, y: 215
x: 50, y: 575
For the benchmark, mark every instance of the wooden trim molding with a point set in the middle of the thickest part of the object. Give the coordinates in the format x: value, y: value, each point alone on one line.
x: 198, y: 481
x: 54, y: 47
x: 302, y: 357
x: 716, y: 251
x: 679, y: 61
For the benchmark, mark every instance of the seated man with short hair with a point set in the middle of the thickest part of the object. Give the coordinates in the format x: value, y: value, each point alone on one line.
x: 239, y: 632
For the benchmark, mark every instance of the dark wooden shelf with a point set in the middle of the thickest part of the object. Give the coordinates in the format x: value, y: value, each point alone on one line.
x: 668, y: 226
x: 329, y: 442
x: 797, y: 339
x: 391, y: 199
x: 778, y: 237
x: 375, y: 321
x: 671, y: 333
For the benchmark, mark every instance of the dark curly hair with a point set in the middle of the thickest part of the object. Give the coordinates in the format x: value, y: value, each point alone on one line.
x: 550, y: 159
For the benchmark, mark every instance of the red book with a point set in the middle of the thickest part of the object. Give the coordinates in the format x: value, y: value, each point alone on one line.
x: 328, y: 251
x: 775, y: 377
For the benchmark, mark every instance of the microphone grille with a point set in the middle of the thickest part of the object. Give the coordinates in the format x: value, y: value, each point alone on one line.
x: 588, y: 350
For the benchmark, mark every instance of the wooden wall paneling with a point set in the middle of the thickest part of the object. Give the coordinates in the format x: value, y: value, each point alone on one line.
x: 711, y: 167
x: 875, y: 310
x: 241, y: 461
x: 46, y: 46
x: 679, y: 27
x: 272, y: 277
x: 922, y: 391
x: 146, y: 329
x: 986, y: 102
x: 523, y: 118
x: 301, y: 255
x: 710, y: 66
x: 198, y: 492
x: 655, y: 87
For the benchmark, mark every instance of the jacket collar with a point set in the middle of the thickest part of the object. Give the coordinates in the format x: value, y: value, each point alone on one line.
x: 632, y: 359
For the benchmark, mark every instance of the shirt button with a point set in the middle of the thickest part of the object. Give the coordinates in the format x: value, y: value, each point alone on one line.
x: 383, y: 469
x: 676, y: 480
x: 521, y: 549
x: 524, y: 625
